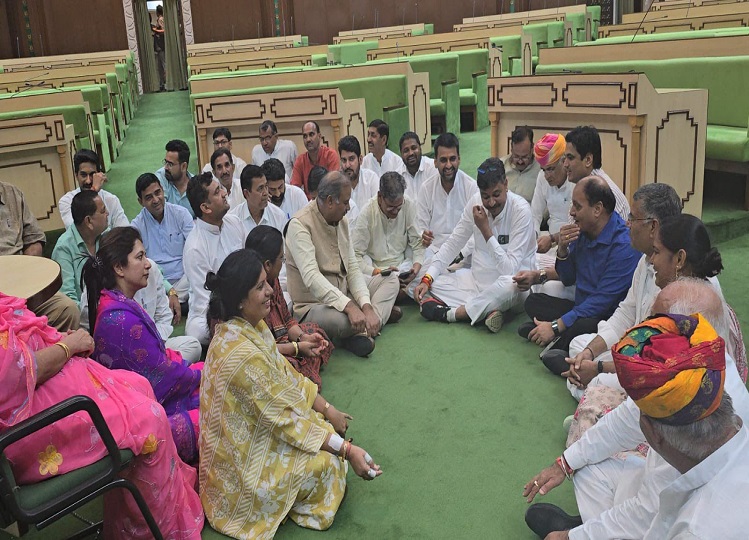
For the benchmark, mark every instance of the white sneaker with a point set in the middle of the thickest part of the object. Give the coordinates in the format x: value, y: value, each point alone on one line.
x: 494, y: 321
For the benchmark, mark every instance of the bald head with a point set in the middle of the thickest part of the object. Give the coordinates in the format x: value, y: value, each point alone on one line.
x: 686, y: 296
x: 596, y: 190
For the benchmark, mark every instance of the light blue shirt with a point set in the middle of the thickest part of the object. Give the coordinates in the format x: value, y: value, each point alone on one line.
x: 70, y: 253
x: 171, y: 193
x: 165, y: 241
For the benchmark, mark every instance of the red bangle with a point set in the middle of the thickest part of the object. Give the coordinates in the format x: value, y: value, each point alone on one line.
x: 427, y: 279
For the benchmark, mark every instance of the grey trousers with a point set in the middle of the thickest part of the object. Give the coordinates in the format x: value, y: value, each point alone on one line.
x: 382, y: 294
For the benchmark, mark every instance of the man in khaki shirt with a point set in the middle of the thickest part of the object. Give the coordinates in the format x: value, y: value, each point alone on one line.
x: 520, y: 167
x: 323, y: 275
x: 20, y: 235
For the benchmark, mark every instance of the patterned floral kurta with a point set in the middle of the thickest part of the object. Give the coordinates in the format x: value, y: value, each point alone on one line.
x: 260, y: 439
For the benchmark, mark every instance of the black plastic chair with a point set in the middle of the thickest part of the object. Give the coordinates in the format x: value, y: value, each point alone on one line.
x: 45, y: 502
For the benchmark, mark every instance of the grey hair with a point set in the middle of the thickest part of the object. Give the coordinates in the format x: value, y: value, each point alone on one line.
x: 659, y: 201
x: 392, y: 186
x: 697, y: 440
x: 696, y: 295
x: 331, y: 186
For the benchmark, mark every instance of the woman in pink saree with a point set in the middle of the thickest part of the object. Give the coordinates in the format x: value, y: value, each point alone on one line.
x: 39, y: 368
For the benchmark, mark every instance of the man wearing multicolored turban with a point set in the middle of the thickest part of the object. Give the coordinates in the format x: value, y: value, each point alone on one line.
x: 674, y: 368
x: 520, y: 167
x: 617, y: 492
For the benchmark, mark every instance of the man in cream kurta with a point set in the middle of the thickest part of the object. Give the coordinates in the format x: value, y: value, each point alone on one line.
x: 323, y: 275
x: 385, y: 236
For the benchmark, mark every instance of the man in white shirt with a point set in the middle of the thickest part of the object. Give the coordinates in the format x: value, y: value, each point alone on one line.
x: 255, y: 209
x: 379, y: 159
x: 583, y: 158
x: 522, y: 170
x: 288, y: 198
x: 364, y: 182
x: 419, y: 168
x: 443, y: 198
x: 385, y: 237
x: 222, y: 139
x: 616, y: 490
x: 504, y: 243
x: 224, y: 171
x: 272, y: 147
x: 591, y: 353
x: 324, y: 278
x: 215, y: 235
x: 88, y: 175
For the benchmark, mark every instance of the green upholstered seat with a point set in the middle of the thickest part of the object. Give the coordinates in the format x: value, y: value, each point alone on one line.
x: 73, y: 114
x: 510, y: 46
x: 668, y: 36
x: 354, y: 52
x: 727, y: 143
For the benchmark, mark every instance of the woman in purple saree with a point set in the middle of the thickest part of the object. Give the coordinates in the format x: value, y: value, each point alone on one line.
x: 127, y: 338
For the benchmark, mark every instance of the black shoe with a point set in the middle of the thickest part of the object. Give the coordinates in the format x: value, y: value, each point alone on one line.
x: 554, y: 359
x: 434, y: 310
x: 359, y: 344
x: 525, y: 329
x: 545, y: 518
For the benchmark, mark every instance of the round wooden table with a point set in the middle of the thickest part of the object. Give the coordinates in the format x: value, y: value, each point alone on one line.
x: 36, y: 279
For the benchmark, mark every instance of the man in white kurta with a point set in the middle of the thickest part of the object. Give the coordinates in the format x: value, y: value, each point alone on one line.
x: 225, y: 171
x: 419, y: 168
x: 504, y: 243
x: 290, y: 199
x: 379, y: 159
x: 215, y: 235
x: 443, y: 198
x: 364, y: 182
x: 88, y: 175
x: 385, y: 237
x: 256, y: 208
x: 222, y: 139
x: 272, y: 147
x: 617, y: 491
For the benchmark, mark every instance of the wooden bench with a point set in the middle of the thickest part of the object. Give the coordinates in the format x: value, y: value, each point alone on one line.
x: 243, y: 114
x: 684, y: 12
x: 671, y: 4
x: 249, y: 60
x: 385, y: 32
x: 692, y: 22
x: 258, y: 44
x: 36, y: 154
x: 411, y: 104
x: 647, y: 135
x: 521, y: 17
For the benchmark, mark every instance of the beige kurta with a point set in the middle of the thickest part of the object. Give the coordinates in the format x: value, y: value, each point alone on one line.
x: 260, y: 456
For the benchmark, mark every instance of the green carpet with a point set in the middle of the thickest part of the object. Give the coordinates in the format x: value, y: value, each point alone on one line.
x: 459, y: 419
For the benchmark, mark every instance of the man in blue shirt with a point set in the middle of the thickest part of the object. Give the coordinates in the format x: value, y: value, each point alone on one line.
x: 164, y: 228
x: 174, y: 174
x: 596, y: 256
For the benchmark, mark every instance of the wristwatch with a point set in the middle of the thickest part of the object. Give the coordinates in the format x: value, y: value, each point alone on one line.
x: 172, y: 292
x: 543, y: 277
x: 600, y: 366
x: 555, y: 327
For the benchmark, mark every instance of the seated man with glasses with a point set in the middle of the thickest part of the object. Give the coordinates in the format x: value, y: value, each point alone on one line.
x: 272, y: 147
x: 174, y: 175
x: 88, y: 175
x: 222, y: 139
x: 500, y: 224
x: 520, y: 167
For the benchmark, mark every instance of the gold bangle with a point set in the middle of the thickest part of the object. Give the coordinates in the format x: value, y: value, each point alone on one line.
x: 172, y: 292
x: 327, y: 406
x: 65, y: 348
x: 562, y: 258
x: 296, y: 348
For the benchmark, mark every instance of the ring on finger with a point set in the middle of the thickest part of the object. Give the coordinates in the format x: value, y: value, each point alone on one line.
x: 535, y: 483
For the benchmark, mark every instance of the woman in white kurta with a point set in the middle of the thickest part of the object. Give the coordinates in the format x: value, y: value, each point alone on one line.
x: 269, y: 447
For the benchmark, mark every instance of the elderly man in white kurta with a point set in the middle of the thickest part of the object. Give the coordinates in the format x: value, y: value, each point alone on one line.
x: 616, y: 490
x: 215, y: 235
x: 385, y: 237
x: 504, y: 243
x: 443, y: 198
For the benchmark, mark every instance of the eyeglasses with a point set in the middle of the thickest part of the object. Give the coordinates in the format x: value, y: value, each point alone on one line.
x: 169, y: 164
x: 487, y: 170
x: 220, y: 142
x: 632, y: 219
x: 267, y: 138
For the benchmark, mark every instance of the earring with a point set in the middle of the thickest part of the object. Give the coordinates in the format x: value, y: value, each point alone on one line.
x: 677, y: 272
x: 241, y: 307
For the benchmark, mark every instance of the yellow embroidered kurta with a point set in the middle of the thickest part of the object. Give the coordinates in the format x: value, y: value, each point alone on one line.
x: 260, y: 439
